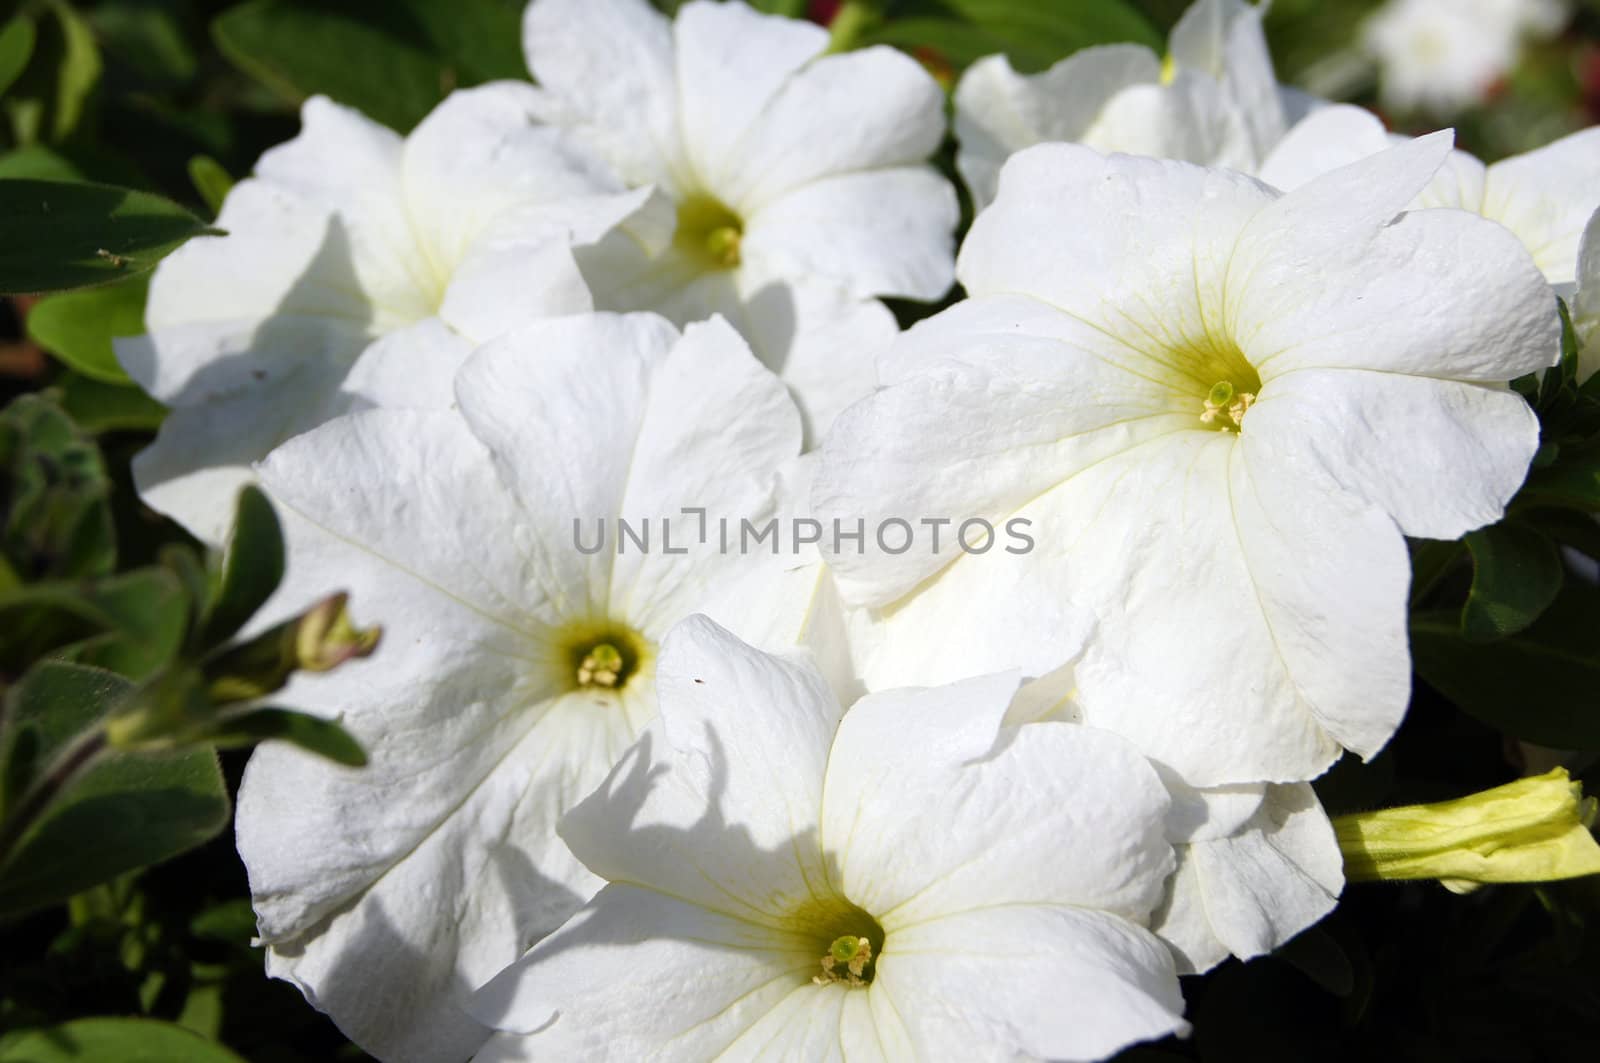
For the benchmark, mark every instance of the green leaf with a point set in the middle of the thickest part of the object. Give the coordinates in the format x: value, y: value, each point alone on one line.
x: 211, y: 181
x: 311, y: 733
x: 122, y: 812
x: 56, y: 234
x: 51, y: 97
x: 392, y: 59
x: 149, y: 38
x: 38, y: 162
x: 113, y: 1041
x: 149, y: 608
x: 1033, y: 33
x: 99, y: 407
x: 1517, y: 573
x: 55, y: 517
x: 78, y: 327
x: 252, y: 568
x: 1538, y: 685
x: 39, y: 618
x: 16, y: 48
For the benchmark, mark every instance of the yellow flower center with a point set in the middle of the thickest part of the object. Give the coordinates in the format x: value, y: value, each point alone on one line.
x: 1224, y: 408
x: 709, y: 232
x: 848, y: 941
x: 601, y: 656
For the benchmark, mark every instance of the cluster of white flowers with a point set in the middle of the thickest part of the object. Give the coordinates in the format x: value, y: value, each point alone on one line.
x: 616, y: 806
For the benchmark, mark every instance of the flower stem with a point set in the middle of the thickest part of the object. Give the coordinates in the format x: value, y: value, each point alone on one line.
x: 848, y: 24
x: 42, y: 794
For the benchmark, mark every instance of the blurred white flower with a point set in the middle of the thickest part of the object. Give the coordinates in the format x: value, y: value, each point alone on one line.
x: 516, y: 667
x: 776, y: 889
x: 1586, y: 300
x: 1444, y: 56
x: 1221, y: 409
x: 347, y: 233
x: 1215, y: 99
x: 792, y: 185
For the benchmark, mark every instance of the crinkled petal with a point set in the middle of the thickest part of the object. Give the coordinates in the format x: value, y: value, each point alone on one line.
x: 1030, y: 981
x: 1322, y: 142
x: 1334, y: 275
x: 1250, y: 892
x: 1049, y: 813
x: 409, y: 369
x: 1439, y: 456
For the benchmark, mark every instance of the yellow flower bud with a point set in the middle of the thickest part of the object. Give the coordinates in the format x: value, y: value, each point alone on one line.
x: 1532, y: 830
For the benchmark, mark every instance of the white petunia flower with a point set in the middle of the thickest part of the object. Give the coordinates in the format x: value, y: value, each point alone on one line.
x: 1215, y: 100
x: 345, y: 234
x: 1257, y: 863
x: 1446, y: 55
x: 1545, y: 196
x: 791, y: 184
x: 1220, y: 408
x: 907, y: 880
x: 518, y: 651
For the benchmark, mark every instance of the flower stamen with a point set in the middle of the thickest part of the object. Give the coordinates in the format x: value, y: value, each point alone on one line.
x: 845, y: 961
x: 1225, y: 408
x: 601, y: 667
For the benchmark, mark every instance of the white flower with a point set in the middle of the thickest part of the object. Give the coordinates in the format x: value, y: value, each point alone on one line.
x: 1545, y: 196
x: 1221, y: 409
x: 1001, y: 879
x: 347, y: 233
x: 1257, y: 863
x: 1215, y: 99
x: 1446, y: 55
x: 515, y: 666
x: 790, y: 183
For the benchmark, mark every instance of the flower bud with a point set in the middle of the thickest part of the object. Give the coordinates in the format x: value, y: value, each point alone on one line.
x: 1532, y: 830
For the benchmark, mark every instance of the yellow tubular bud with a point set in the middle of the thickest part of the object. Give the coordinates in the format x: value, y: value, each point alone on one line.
x: 1533, y: 830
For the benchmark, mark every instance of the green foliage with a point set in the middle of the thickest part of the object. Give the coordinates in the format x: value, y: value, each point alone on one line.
x: 1033, y: 33
x: 55, y: 520
x: 106, y: 812
x: 78, y: 327
x: 113, y: 1041
x: 1517, y: 573
x: 393, y: 59
x: 56, y: 235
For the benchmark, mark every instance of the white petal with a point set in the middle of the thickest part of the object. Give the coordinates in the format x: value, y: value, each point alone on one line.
x: 1160, y: 231
x: 1030, y: 981
x: 1546, y: 197
x: 1000, y: 112
x: 1050, y: 813
x: 1441, y: 457
x: 877, y: 232
x: 608, y: 67
x: 561, y: 424
x: 284, y: 259
x: 350, y: 166
x: 1322, y: 142
x: 481, y: 153
x: 1329, y: 276
x: 1251, y: 892
x: 871, y: 109
x: 1586, y: 303
x: 1459, y: 183
x: 409, y: 369
x: 731, y: 62
x: 640, y: 975
x: 822, y: 343
x: 1006, y: 397
x: 1224, y: 38
x: 201, y: 457
x: 718, y: 804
